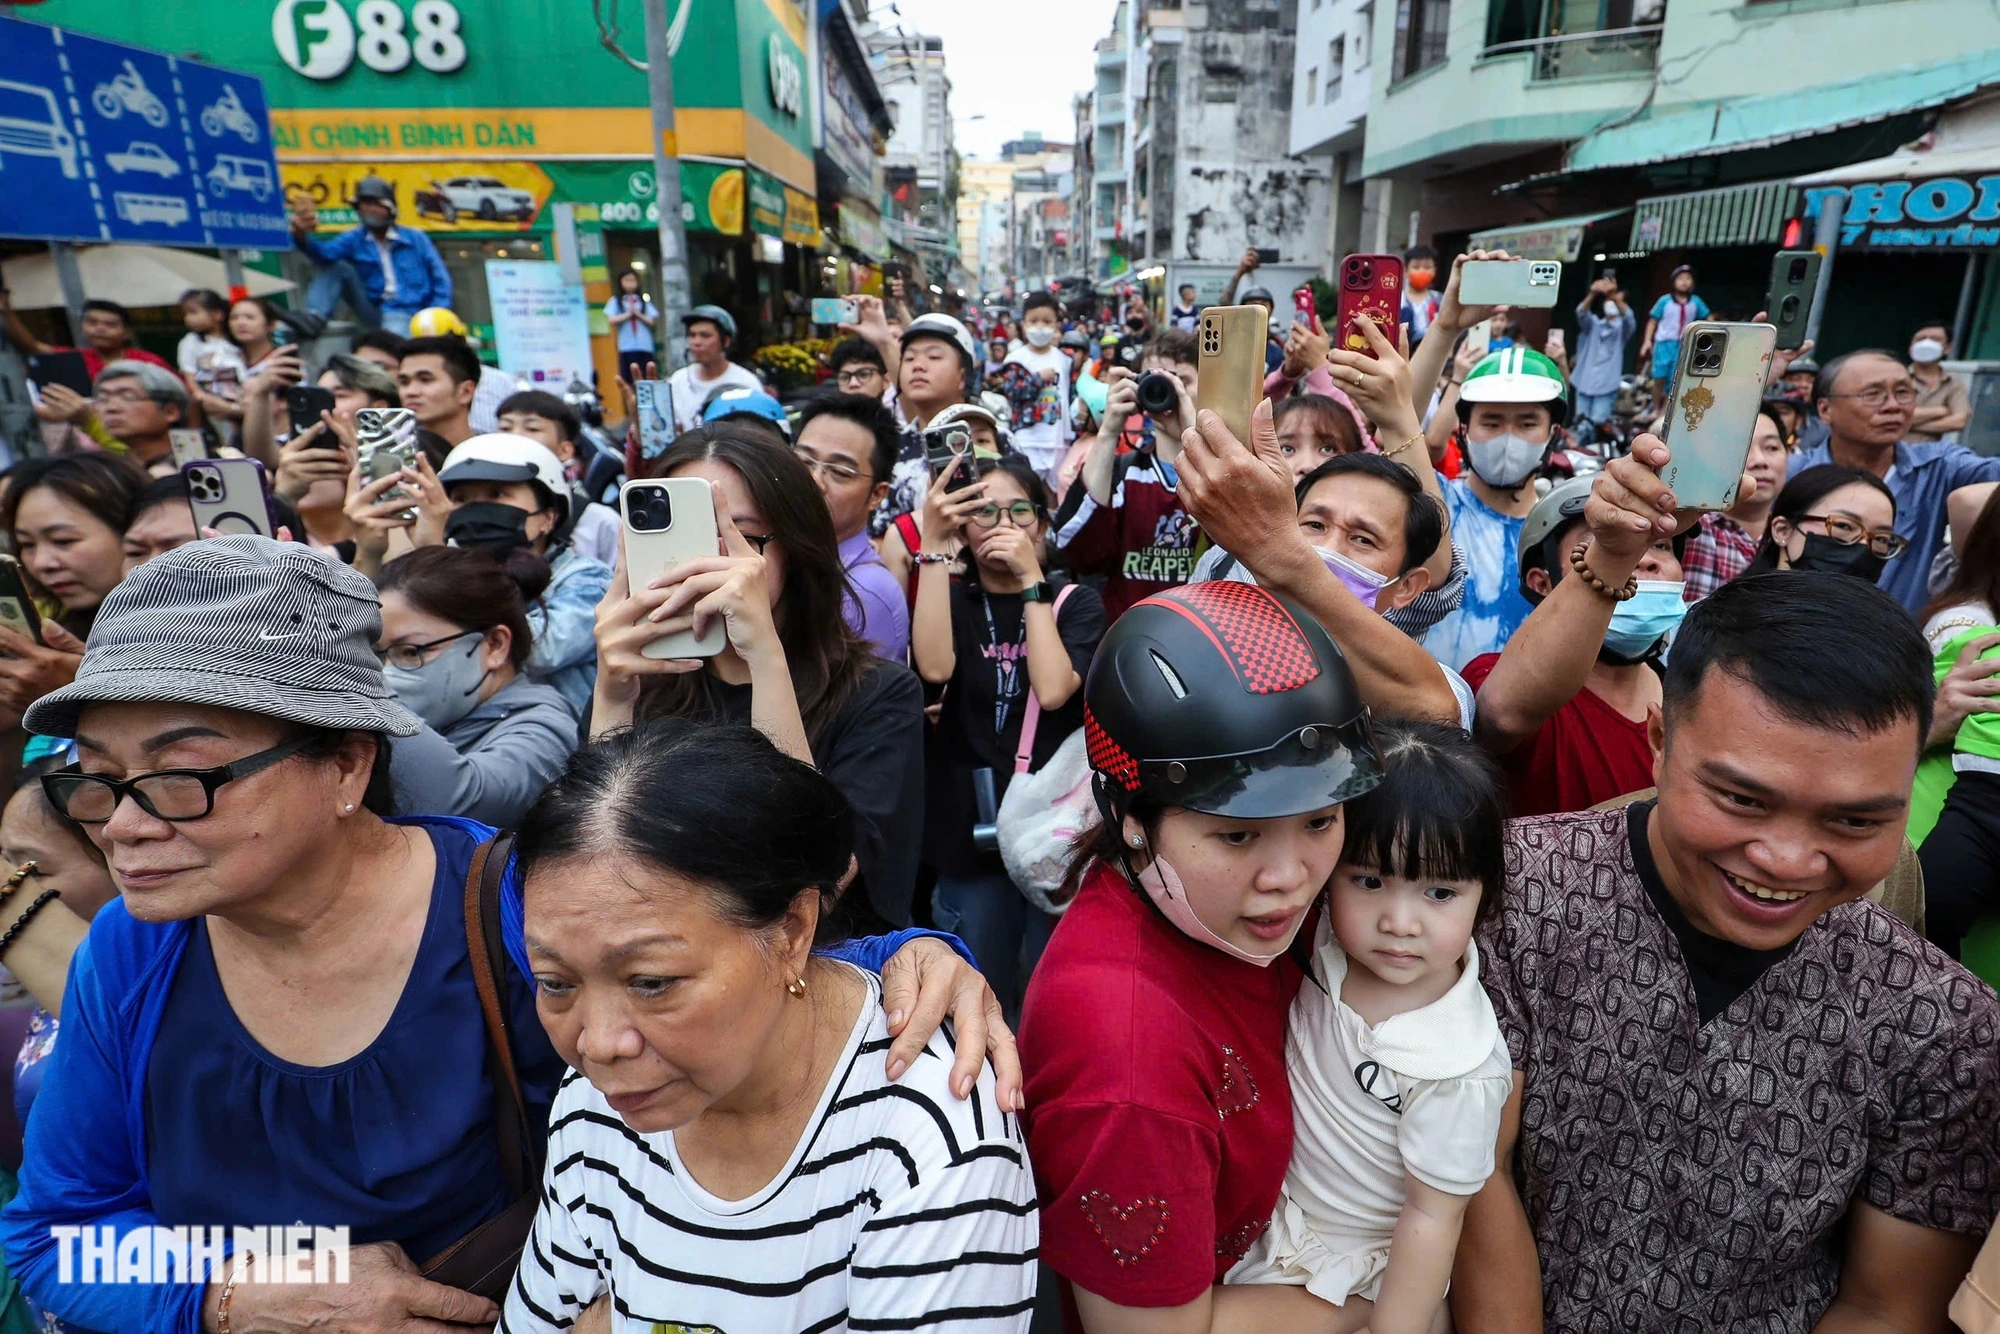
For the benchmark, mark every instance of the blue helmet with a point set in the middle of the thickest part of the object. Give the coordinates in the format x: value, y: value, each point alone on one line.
x: 746, y: 402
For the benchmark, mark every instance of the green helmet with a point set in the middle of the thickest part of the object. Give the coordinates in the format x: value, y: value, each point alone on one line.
x: 1563, y: 504
x: 1515, y: 375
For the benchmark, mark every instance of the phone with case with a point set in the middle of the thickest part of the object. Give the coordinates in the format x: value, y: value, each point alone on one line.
x: 670, y: 521
x: 835, y: 310
x: 1718, y: 388
x: 1510, y: 282
x: 1371, y: 287
x: 385, y: 443
x: 654, y: 400
x: 17, y: 604
x: 1230, y: 358
x: 228, y: 496
x: 1794, y: 280
x: 186, y: 444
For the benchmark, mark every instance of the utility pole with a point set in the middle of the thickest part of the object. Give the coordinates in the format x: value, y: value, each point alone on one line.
x: 676, y: 295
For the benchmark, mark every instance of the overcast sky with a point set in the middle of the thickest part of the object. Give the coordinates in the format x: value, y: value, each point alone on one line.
x: 1017, y: 63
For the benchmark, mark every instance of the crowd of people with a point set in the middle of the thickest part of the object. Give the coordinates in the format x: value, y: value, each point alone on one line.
x: 1438, y: 880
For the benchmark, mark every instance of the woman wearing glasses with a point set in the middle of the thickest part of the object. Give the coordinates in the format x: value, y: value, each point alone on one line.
x: 1841, y: 520
x: 990, y: 630
x: 793, y: 668
x: 278, y: 1020
x: 455, y: 638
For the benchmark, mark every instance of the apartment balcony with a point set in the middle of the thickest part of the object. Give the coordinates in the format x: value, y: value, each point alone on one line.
x: 1115, y: 58
x: 1585, y: 55
x: 1109, y: 109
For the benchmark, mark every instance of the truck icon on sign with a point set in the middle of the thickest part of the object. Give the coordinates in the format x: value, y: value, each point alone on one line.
x: 247, y: 174
x: 32, y: 126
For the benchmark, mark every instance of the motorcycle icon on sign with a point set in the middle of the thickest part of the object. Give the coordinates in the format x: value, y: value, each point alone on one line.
x: 228, y: 114
x: 128, y: 92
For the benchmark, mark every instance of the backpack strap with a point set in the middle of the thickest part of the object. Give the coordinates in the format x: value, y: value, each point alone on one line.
x: 485, y: 947
x: 1025, y: 752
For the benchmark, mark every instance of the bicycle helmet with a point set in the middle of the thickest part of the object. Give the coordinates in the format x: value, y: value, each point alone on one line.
x: 1227, y: 699
x: 1553, y: 512
x: 1515, y: 375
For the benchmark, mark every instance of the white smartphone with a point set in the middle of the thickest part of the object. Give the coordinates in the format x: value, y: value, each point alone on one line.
x: 228, y: 496
x: 187, y: 444
x: 670, y: 521
x: 1717, y: 391
x: 1510, y: 282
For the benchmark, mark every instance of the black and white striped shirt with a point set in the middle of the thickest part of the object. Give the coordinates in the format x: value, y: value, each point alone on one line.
x: 901, y: 1208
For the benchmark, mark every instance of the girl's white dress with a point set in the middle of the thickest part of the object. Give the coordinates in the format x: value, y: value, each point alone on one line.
x: 1420, y: 1093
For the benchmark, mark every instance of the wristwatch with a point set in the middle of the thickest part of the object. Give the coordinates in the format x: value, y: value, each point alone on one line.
x: 1041, y: 592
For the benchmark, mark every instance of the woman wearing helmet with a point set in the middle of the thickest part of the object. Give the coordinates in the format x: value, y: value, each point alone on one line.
x: 1225, y: 732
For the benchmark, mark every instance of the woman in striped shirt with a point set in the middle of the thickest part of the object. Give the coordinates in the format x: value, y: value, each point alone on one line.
x: 727, y: 1152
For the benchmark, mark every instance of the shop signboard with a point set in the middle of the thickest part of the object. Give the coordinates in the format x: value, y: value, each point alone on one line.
x: 845, y: 133
x: 100, y: 141
x: 1938, y: 213
x: 431, y: 196
x: 863, y: 234
x: 541, y: 329
x: 801, y: 218
x: 767, y: 205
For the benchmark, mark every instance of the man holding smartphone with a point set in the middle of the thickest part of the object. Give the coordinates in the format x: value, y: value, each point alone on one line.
x: 1604, y: 324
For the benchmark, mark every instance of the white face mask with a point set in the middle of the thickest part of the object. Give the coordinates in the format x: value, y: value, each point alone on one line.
x: 1505, y: 461
x: 1039, y: 336
x: 1163, y: 886
x: 1926, y: 350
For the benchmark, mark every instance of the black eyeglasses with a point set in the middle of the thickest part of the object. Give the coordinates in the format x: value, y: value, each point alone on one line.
x: 412, y: 657
x: 164, y: 794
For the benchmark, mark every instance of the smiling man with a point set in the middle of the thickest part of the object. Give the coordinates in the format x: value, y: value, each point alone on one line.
x: 1746, y: 1098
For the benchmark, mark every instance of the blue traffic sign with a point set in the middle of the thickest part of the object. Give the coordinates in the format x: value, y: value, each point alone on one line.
x: 105, y: 142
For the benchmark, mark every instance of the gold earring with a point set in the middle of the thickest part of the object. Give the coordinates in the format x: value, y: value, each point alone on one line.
x: 796, y: 988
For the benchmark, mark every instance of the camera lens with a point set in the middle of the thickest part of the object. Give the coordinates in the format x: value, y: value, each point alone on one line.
x: 652, y: 510
x: 1157, y: 393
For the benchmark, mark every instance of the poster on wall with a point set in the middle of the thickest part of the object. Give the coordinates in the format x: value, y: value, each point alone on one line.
x: 541, y: 328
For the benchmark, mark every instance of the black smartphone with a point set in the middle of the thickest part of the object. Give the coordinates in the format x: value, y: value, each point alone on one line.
x: 17, y: 604
x: 950, y: 448
x: 1794, y: 280
x: 305, y: 402
x: 67, y: 369
x: 1267, y: 254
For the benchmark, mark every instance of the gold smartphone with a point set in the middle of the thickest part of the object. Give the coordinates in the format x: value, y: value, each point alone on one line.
x: 1231, y: 364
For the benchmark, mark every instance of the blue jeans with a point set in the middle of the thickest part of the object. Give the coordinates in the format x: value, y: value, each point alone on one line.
x: 337, y: 282
x: 1004, y: 931
x: 1595, y: 407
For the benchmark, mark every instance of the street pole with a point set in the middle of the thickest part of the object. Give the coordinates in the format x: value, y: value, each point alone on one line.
x: 1826, y: 240
x: 70, y: 278
x: 676, y: 296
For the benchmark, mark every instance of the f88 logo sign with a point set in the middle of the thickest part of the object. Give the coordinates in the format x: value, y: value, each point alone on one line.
x: 320, y: 39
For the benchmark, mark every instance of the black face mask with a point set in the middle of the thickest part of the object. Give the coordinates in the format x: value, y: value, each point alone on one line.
x: 487, y: 523
x: 1823, y: 553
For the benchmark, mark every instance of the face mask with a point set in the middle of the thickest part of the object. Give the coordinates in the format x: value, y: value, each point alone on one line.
x: 1642, y: 621
x: 1823, y: 553
x: 1361, y: 581
x: 443, y: 690
x: 1038, y: 337
x: 1926, y: 350
x: 487, y: 523
x: 1505, y: 461
x: 1421, y: 282
x: 1162, y: 885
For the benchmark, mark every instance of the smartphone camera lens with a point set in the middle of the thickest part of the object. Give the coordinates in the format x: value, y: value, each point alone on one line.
x: 652, y: 510
x: 205, y: 484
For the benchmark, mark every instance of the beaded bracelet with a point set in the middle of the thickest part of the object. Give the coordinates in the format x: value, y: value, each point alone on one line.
x: 7, y: 937
x: 20, y: 874
x: 1577, y: 564
x: 236, y: 1274
x: 934, y: 558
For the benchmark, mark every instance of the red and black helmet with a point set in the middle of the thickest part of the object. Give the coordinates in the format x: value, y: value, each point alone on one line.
x: 1228, y: 699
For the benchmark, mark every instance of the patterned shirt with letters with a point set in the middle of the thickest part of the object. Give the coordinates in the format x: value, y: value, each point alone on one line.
x: 1688, y: 1176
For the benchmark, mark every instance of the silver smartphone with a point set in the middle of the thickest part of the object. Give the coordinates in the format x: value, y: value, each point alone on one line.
x: 655, y: 406
x: 670, y: 521
x: 385, y: 444
x: 1717, y: 391
x: 228, y: 496
x: 1510, y: 282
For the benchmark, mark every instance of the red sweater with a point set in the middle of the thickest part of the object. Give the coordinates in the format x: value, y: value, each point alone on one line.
x: 1159, y: 1117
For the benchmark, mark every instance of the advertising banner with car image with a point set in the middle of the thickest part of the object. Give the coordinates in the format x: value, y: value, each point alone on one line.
x: 100, y: 141
x: 431, y: 196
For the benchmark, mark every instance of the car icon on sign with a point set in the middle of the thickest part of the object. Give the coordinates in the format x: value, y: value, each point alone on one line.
x: 141, y: 156
x: 31, y: 125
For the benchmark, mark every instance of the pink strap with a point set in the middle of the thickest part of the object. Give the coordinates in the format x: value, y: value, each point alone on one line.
x: 1026, y: 751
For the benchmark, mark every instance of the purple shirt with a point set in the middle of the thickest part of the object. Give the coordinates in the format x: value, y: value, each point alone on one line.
x: 877, y: 609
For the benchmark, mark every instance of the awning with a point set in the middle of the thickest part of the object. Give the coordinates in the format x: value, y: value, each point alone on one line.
x: 1733, y: 215
x: 1729, y: 124
x: 1556, y: 238
x: 133, y: 275
x: 1965, y: 142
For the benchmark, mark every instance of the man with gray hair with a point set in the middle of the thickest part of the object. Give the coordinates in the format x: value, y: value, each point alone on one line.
x: 138, y: 404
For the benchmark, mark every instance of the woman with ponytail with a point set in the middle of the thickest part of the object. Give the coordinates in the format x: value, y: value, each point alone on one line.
x: 455, y: 640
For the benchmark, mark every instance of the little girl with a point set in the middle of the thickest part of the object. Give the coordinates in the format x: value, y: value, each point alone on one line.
x: 1397, y: 1064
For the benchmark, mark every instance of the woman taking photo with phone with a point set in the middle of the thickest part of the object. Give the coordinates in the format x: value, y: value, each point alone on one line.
x: 1226, y: 731
x: 1006, y: 642
x: 791, y: 666
x: 279, y: 1018
x: 455, y: 638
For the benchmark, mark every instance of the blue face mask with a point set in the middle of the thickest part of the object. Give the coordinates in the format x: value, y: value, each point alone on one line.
x: 1643, y: 621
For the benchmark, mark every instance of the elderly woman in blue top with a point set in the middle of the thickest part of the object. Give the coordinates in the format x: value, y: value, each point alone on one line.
x: 277, y: 1022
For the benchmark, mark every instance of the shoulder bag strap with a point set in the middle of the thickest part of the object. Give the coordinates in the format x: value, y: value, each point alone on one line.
x: 485, y: 947
x: 1024, y: 754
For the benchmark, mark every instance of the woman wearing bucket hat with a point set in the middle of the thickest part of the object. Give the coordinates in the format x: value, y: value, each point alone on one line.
x: 1226, y: 733
x: 284, y: 1018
